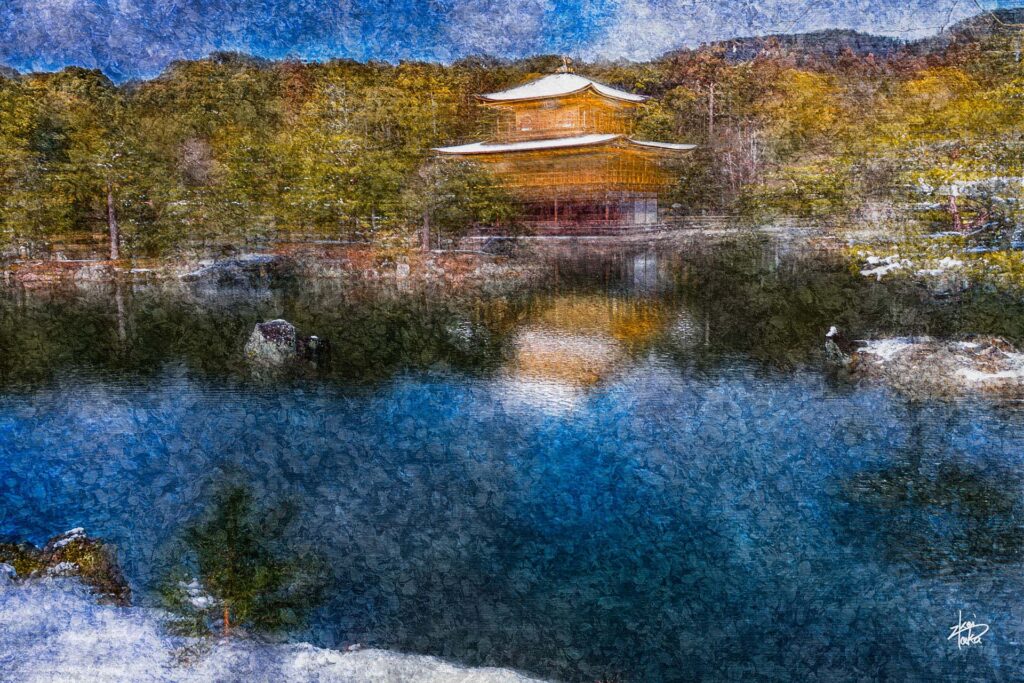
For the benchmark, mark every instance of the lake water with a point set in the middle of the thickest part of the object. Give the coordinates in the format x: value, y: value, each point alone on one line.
x: 637, y: 470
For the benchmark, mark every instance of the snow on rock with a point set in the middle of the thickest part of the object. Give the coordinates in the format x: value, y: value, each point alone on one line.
x: 927, y: 367
x: 975, y: 376
x: 67, y: 537
x: 887, y: 349
x: 72, y: 553
x: 53, y: 630
x: 98, y: 272
x: 63, y: 569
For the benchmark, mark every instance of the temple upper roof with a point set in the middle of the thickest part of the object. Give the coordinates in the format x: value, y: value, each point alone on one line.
x: 559, y: 85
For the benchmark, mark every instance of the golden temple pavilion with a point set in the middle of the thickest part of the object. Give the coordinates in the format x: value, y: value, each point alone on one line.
x: 563, y: 146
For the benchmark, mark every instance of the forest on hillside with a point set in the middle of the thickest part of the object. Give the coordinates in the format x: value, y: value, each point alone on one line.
x: 233, y: 149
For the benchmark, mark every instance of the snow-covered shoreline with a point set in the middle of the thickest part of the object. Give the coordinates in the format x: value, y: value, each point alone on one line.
x: 924, y: 366
x: 53, y: 629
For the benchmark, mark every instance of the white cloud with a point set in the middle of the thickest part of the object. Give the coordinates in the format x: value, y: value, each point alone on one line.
x: 643, y: 29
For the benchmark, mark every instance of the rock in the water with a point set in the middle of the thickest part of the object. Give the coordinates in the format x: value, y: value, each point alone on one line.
x: 838, y: 349
x: 273, y: 344
x: 241, y: 271
x: 72, y: 553
x: 277, y: 345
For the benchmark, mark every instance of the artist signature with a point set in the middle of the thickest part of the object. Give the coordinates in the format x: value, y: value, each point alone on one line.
x: 967, y: 633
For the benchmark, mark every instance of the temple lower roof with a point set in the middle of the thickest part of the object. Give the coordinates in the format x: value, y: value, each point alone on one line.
x: 557, y: 143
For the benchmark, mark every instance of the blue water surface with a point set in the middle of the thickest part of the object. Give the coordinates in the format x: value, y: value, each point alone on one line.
x: 672, y: 521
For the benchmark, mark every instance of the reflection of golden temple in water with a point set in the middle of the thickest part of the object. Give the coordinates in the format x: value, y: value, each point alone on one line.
x: 565, y: 344
x: 572, y: 342
x: 628, y: 321
x: 557, y: 355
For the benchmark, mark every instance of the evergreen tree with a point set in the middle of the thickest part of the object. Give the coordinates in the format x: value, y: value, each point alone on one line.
x: 235, y: 574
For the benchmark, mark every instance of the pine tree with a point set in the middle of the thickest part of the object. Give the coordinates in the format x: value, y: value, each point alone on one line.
x: 234, y: 574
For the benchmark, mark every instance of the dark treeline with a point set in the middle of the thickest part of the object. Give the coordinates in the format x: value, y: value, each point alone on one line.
x: 232, y: 148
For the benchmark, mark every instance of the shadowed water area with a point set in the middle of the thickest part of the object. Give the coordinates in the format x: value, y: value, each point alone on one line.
x: 637, y: 468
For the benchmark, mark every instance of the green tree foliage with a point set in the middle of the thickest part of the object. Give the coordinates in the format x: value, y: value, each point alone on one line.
x: 234, y: 573
x: 455, y: 196
x: 18, y: 132
x: 231, y: 149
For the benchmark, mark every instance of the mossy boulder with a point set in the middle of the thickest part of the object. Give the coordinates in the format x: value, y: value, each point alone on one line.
x: 72, y: 553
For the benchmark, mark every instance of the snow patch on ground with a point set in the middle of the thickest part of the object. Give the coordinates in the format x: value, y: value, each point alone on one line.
x: 885, y: 265
x: 197, y: 597
x: 943, y: 265
x: 52, y: 630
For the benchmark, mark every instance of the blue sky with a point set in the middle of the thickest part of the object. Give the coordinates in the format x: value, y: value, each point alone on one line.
x: 138, y: 38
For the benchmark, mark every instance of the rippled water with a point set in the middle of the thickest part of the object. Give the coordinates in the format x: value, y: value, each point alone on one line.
x: 638, y: 469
